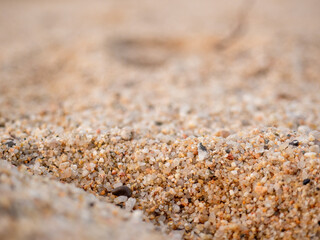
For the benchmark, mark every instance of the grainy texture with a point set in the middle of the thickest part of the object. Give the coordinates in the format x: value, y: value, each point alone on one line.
x: 34, y: 207
x: 208, y: 111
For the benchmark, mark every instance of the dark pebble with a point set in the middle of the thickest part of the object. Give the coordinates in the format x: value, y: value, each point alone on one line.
x: 91, y: 204
x: 122, y: 191
x: 228, y: 151
x: 277, y: 212
x: 319, y: 223
x: 10, y: 144
x: 120, y: 205
x: 203, y: 148
x: 294, y: 143
x: 306, y: 181
x: 158, y: 123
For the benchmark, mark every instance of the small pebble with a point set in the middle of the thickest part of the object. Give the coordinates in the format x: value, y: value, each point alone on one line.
x: 315, y: 134
x: 306, y: 181
x: 175, y: 208
x: 120, y: 199
x: 122, y: 191
x: 130, y: 204
x: 118, y: 184
x: 202, y: 152
x: 126, y: 134
x: 294, y: 143
x: 10, y: 143
x: 304, y: 129
x: 315, y: 149
x: 201, y: 147
x: 158, y: 123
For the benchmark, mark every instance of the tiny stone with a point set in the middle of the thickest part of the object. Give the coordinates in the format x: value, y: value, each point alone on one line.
x: 202, y: 152
x: 304, y: 129
x: 234, y: 172
x: 158, y: 123
x: 176, y: 208
x: 118, y: 184
x: 10, y: 143
x: 306, y: 181
x: 315, y: 148
x: 85, y: 173
x: 126, y: 134
x: 130, y: 204
x: 315, y: 134
x: 294, y: 143
x: 201, y: 147
x: 120, y: 199
x: 224, y: 133
x: 122, y: 191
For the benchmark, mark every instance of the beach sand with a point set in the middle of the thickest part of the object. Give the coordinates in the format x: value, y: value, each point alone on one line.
x: 205, y: 114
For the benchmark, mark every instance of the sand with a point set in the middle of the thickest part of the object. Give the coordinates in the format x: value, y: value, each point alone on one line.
x: 200, y: 118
